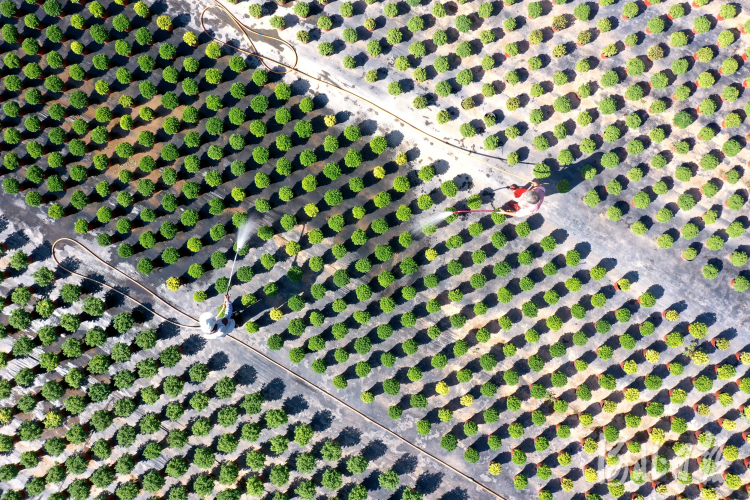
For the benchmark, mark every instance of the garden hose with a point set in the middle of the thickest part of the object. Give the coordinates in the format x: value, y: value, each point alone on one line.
x: 103, y: 262
x: 248, y: 346
x: 245, y: 29
x: 255, y: 53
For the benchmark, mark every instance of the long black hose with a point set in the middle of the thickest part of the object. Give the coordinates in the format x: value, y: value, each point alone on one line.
x: 243, y: 343
x: 293, y: 68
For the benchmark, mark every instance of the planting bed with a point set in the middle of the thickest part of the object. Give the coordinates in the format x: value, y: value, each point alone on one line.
x: 573, y: 352
x: 167, y: 400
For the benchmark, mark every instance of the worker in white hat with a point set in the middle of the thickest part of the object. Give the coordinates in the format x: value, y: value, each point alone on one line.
x: 219, y: 325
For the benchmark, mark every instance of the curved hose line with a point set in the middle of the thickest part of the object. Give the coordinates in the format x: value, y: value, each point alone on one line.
x: 106, y: 264
x: 255, y: 53
x: 293, y: 68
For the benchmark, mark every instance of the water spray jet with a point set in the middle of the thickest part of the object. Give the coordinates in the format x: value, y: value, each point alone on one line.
x: 243, y: 236
x: 477, y: 211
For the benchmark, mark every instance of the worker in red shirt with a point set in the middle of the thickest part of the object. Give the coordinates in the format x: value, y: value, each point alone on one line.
x: 529, y: 200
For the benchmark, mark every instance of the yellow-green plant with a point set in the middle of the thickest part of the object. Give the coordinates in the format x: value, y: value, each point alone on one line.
x: 609, y: 50
x: 700, y: 358
x: 657, y: 436
x: 609, y: 406
x: 276, y: 314
x: 591, y: 475
x: 173, y: 284
x: 311, y: 210
x: 164, y: 22
x: 722, y: 344
x: 567, y: 484
x: 190, y: 38
x: 52, y: 420
x: 586, y: 419
x: 632, y: 394
x: 708, y: 493
x: 652, y: 356
x: 725, y: 399
x: 590, y: 446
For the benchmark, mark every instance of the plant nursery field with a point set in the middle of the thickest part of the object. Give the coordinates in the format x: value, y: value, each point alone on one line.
x: 385, y: 346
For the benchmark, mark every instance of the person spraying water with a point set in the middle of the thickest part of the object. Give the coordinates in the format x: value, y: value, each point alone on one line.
x: 529, y: 201
x: 219, y: 324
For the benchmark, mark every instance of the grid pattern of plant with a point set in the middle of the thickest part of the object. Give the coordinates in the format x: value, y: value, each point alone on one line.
x: 665, y: 108
x: 94, y: 403
x: 505, y: 378
x: 542, y: 62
